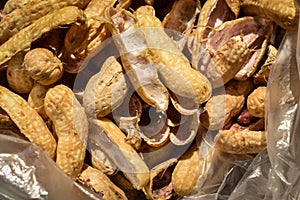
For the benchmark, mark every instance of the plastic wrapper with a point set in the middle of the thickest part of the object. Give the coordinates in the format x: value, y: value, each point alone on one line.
x: 26, y: 172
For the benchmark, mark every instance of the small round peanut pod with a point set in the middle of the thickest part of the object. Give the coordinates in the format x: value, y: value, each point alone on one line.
x: 42, y: 66
x: 256, y: 102
x: 16, y: 75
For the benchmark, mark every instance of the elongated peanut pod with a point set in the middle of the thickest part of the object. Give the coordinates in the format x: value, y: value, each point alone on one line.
x: 283, y: 12
x: 241, y: 141
x: 173, y: 67
x: 27, y: 35
x: 112, y: 141
x: 32, y: 11
x: 28, y: 120
x: 188, y: 171
x: 11, y: 5
x: 99, y: 182
x: 133, y: 49
x: 71, y: 127
x: 106, y: 90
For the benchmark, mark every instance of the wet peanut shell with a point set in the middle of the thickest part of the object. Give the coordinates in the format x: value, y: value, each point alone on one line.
x: 16, y: 75
x: 71, y: 127
x: 42, y: 66
x: 134, y: 55
x: 32, y: 11
x: 227, y: 61
x: 241, y: 141
x: 283, y: 12
x: 187, y: 172
x: 220, y: 109
x: 105, y: 90
x: 27, y: 120
x: 23, y: 39
x: 100, y: 183
x: 123, y: 155
x: 256, y: 102
x: 173, y: 67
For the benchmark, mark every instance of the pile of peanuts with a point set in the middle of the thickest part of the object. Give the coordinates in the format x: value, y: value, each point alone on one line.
x: 174, y: 72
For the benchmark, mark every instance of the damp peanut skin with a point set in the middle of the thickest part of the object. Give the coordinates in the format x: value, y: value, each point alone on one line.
x: 106, y: 90
x: 173, y: 67
x: 256, y: 102
x: 32, y: 11
x: 16, y: 75
x: 42, y: 66
x: 23, y: 39
x: 71, y: 126
x: 27, y: 120
x: 241, y: 141
x: 100, y: 183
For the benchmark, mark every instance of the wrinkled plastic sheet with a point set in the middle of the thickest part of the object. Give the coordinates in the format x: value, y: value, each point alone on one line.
x: 26, y: 172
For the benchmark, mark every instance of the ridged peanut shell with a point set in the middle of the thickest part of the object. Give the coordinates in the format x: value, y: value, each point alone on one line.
x: 27, y: 120
x: 106, y: 90
x: 241, y: 141
x: 71, y: 127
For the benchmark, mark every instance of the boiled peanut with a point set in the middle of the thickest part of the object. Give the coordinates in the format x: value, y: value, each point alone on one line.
x: 241, y: 141
x: 256, y: 102
x: 36, y: 99
x: 220, y: 109
x: 42, y: 66
x: 16, y: 75
x: 27, y: 35
x: 106, y: 90
x: 99, y: 182
x: 173, y: 67
x: 71, y: 126
x: 27, y: 120
x: 30, y: 13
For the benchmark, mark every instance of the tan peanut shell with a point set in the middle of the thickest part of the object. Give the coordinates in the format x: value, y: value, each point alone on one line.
x: 262, y: 76
x: 27, y: 120
x: 256, y: 102
x: 106, y: 90
x: 283, y: 12
x: 139, y: 68
x: 236, y: 88
x: 16, y: 75
x: 83, y: 39
x: 100, y: 183
x: 220, y: 109
x: 36, y: 99
x: 241, y: 141
x: 124, y: 155
x: 42, y: 66
x: 173, y: 67
x: 187, y: 172
x: 71, y: 126
x: 160, y: 185
x: 11, y: 5
x: 32, y: 12
x: 23, y: 39
x: 227, y: 61
x: 102, y: 162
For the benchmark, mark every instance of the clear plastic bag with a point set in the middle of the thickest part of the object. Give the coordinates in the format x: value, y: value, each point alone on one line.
x: 26, y: 172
